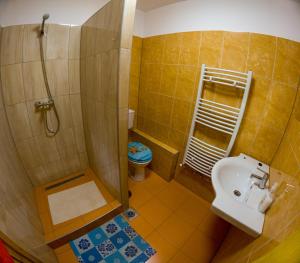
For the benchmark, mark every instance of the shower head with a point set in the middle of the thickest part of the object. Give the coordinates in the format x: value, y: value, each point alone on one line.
x: 45, y: 17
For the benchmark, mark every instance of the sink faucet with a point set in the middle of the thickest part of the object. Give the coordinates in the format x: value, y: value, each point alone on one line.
x: 262, y: 180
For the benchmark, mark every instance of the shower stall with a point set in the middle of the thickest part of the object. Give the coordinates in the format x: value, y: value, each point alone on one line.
x: 63, y: 112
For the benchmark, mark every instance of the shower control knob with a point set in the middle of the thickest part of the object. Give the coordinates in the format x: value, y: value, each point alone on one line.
x: 44, y: 105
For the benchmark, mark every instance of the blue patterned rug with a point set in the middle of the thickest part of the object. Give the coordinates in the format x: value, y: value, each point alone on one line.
x: 113, y: 242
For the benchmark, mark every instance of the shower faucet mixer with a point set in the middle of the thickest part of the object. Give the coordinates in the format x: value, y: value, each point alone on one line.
x: 44, y: 105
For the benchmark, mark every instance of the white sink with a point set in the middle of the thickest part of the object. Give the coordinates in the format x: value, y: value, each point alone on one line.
x: 237, y: 197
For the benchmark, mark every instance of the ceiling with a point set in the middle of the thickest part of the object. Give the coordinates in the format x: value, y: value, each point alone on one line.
x: 147, y: 5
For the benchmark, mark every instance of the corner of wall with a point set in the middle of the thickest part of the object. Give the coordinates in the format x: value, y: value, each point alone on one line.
x: 139, y: 23
x: 123, y: 90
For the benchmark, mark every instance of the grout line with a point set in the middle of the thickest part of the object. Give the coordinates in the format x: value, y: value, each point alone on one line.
x: 174, y: 96
x: 275, y: 59
x: 222, y: 49
x: 248, y: 52
x: 199, y: 50
x: 286, y: 128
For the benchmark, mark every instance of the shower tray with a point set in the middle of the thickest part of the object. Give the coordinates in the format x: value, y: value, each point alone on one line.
x: 72, y: 204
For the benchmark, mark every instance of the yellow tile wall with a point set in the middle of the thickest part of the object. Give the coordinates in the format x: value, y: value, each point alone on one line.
x: 287, y: 158
x: 136, y: 56
x: 19, y: 219
x: 45, y: 159
x: 284, y: 216
x: 169, y: 80
x: 170, y: 70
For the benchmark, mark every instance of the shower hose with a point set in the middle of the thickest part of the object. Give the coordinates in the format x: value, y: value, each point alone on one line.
x: 51, y: 105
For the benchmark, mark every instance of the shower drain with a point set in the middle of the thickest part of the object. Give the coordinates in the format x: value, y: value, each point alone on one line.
x: 237, y: 193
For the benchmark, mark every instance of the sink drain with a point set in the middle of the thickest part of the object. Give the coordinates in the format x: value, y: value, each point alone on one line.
x: 237, y: 193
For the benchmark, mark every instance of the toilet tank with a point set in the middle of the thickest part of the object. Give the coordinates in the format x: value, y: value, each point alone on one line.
x: 130, y: 118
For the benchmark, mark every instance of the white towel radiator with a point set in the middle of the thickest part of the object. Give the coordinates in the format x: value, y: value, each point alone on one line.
x: 200, y: 155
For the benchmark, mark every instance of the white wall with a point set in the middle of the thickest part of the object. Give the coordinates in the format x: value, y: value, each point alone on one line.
x: 273, y: 17
x: 139, y: 23
x: 76, y: 12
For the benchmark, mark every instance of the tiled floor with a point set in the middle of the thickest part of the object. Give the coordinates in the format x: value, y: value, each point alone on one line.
x: 176, y: 222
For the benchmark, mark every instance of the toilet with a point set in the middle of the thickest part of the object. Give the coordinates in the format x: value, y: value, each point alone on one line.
x: 139, y: 155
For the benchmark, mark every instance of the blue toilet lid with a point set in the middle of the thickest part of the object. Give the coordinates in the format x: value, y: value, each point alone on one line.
x: 138, y: 152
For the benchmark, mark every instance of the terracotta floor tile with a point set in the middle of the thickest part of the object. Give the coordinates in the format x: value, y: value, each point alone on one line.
x: 141, y: 225
x: 154, y: 211
x: 132, y: 183
x: 164, y: 249
x: 197, y: 201
x: 177, y: 224
x: 157, y: 258
x: 62, y: 249
x: 173, y: 196
x: 154, y: 183
x: 139, y: 197
x: 214, y: 227
x: 194, y: 210
x: 67, y: 257
x: 176, y: 230
x: 200, y: 248
x: 181, y: 258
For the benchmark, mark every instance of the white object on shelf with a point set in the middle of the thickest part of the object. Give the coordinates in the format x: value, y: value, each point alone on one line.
x: 265, y: 202
x: 200, y: 155
x: 268, y: 199
x: 130, y: 118
x: 255, y: 196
